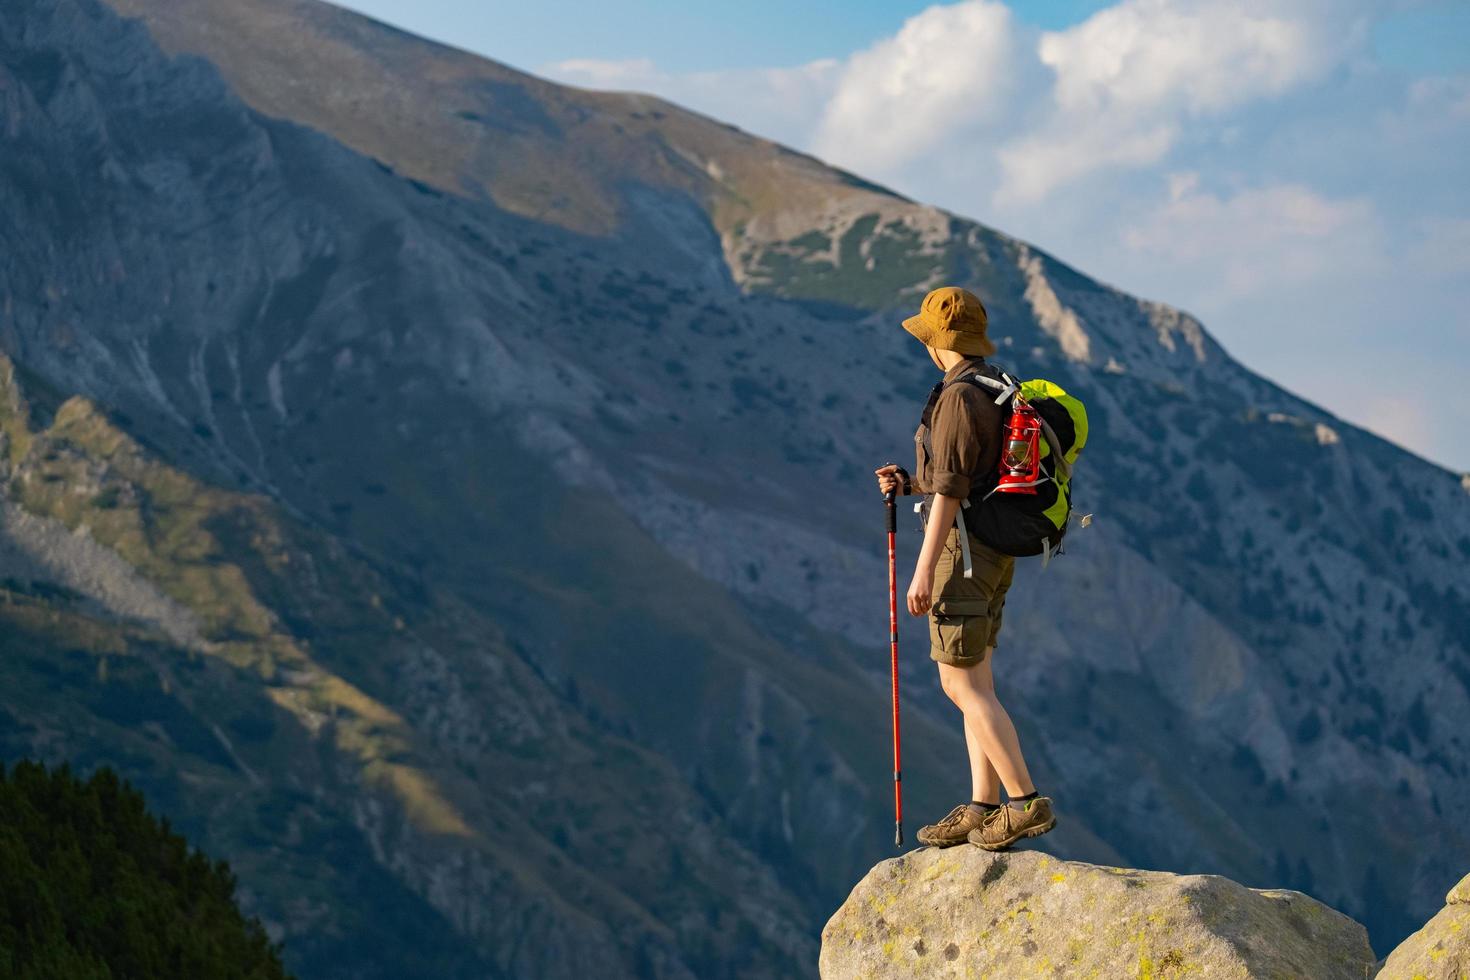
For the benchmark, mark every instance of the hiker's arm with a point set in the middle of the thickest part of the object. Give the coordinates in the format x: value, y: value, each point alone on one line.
x: 955, y: 455
x: 955, y: 442
x: 941, y: 519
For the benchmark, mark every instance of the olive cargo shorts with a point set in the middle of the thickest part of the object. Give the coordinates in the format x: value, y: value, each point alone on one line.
x: 967, y: 611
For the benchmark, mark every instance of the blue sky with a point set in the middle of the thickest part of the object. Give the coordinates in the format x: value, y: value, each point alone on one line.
x: 1293, y: 172
x: 678, y: 36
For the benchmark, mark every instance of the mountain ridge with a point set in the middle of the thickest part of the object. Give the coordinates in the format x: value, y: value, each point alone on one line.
x: 291, y: 35
x: 276, y: 95
x: 325, y: 110
x: 520, y: 434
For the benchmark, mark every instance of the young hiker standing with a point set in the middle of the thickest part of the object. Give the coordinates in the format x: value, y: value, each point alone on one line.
x: 958, y: 451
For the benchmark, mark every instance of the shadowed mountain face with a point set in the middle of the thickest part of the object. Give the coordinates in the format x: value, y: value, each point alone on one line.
x: 448, y: 496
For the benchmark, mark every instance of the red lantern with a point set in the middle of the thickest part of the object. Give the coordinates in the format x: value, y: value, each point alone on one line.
x: 1020, y: 459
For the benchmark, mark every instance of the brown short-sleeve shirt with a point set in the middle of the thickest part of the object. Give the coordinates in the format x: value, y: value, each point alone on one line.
x: 957, y: 445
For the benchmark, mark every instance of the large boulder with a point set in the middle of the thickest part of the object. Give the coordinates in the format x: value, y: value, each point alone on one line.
x: 1439, y: 951
x: 965, y: 912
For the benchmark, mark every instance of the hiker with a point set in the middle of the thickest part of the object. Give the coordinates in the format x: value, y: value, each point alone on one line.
x: 958, y: 451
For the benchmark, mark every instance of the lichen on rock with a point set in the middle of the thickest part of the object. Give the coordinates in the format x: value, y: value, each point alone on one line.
x: 1439, y: 951
x: 964, y: 912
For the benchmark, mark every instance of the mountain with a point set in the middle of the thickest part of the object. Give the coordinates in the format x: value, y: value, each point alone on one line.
x: 448, y: 496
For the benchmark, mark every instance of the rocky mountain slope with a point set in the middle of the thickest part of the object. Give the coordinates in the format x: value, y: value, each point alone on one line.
x: 447, y: 494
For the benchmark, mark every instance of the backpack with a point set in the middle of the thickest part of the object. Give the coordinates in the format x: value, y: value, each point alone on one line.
x: 1023, y: 524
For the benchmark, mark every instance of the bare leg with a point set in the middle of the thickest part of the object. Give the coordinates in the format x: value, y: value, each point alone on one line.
x: 984, y: 781
x: 972, y: 689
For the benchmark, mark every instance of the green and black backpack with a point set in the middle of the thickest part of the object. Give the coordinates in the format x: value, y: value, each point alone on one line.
x: 1022, y: 524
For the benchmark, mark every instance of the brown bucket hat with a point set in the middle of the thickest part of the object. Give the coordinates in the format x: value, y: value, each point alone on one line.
x: 952, y: 318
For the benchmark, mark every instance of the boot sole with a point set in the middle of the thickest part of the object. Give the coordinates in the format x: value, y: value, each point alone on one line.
x: 942, y: 843
x: 1029, y: 832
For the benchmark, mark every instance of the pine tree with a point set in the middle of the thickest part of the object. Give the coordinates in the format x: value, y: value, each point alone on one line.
x: 94, y: 886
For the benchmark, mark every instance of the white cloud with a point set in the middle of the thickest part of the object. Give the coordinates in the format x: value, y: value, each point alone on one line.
x: 1244, y: 159
x: 1268, y: 236
x: 1448, y: 96
x: 635, y: 73
x: 1192, y: 55
x: 965, y: 94
x: 1132, y: 76
x: 949, y: 72
x: 1034, y: 165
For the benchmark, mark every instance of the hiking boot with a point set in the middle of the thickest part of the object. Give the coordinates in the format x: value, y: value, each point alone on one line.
x: 952, y: 830
x: 1007, y: 825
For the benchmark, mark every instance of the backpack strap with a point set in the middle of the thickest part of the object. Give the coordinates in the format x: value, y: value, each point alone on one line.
x: 959, y: 517
x: 1060, y: 466
x: 1005, y: 384
x: 922, y: 509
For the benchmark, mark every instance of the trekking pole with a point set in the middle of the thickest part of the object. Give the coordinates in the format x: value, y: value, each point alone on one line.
x: 888, y: 499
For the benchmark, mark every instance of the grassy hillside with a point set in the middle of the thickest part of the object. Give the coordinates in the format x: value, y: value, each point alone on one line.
x: 292, y: 681
x: 476, y: 128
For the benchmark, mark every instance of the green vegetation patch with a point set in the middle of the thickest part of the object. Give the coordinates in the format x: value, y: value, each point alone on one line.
x: 94, y: 886
x: 874, y: 265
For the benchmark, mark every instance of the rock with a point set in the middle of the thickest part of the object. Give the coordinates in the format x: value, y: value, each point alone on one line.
x: 1441, y: 950
x: 964, y: 912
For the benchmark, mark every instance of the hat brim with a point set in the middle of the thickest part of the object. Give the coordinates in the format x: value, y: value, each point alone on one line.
x: 962, y: 343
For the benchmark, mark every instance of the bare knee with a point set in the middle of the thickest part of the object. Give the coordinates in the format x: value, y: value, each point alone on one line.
x: 951, y: 685
x: 963, y: 685
x: 975, y: 698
